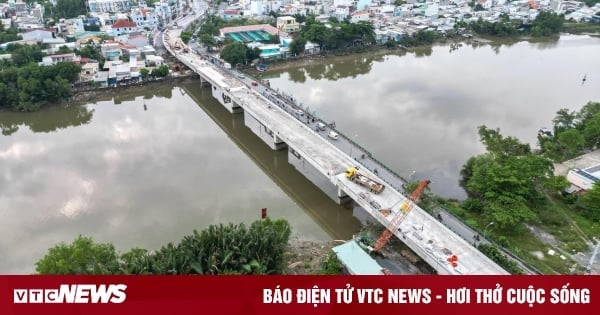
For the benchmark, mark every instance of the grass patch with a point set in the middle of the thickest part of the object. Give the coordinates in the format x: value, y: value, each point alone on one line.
x: 577, y: 28
x: 524, y: 243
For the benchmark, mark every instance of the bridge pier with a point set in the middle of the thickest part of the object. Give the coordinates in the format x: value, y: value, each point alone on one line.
x: 263, y: 132
x: 343, y: 198
x: 223, y: 97
x: 278, y: 143
x: 315, y: 176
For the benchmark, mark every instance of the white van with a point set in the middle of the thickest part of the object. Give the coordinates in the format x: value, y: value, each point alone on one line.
x: 321, y: 126
x: 333, y: 135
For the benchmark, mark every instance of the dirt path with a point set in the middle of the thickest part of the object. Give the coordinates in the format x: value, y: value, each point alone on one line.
x: 307, y: 257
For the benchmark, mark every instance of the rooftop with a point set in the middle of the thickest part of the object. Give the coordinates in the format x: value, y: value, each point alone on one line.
x: 356, y: 260
x: 586, y: 161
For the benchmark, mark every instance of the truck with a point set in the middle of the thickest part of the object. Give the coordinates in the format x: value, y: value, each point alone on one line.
x: 354, y: 175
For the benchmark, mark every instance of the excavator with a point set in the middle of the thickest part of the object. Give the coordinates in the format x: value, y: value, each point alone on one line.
x: 395, y: 222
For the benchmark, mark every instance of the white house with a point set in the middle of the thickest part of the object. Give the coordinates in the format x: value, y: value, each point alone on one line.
x: 54, y: 59
x: 342, y: 12
x: 359, y: 16
x: 112, y: 6
x: 38, y: 35
x: 123, y: 27
x: 584, y: 178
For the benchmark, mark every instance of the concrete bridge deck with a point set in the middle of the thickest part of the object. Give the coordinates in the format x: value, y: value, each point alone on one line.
x: 427, y: 237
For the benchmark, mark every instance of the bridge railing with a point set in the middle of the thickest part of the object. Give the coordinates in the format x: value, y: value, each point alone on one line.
x: 399, y: 183
x: 393, y: 179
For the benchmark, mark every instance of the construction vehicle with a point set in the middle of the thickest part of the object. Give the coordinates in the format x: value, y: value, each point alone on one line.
x: 405, y: 208
x: 354, y: 175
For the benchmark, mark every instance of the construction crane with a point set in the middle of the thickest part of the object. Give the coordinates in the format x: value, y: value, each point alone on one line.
x: 405, y: 208
x: 533, y: 5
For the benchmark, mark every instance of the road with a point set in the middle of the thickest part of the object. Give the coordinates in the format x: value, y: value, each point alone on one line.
x: 344, y: 143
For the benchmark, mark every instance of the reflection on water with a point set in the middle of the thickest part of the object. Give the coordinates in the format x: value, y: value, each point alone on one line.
x: 143, y: 173
x: 422, y: 114
x: 336, y: 220
x: 49, y: 120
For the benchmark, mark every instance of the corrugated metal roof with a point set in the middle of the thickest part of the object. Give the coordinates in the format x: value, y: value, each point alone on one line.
x: 356, y: 260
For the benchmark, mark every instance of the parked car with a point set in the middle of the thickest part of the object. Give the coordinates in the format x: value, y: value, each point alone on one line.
x: 321, y: 126
x: 299, y: 112
x: 333, y: 135
x: 241, y: 75
x: 254, y: 83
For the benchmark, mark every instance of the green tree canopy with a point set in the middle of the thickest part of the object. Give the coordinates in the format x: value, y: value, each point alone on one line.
x: 547, y: 23
x: 218, y: 249
x: 503, y: 181
x: 186, y: 36
x: 234, y: 53
x: 161, y: 71
x: 208, y: 40
x: 564, y: 119
x: 297, y: 45
x: 8, y: 35
x: 574, y: 133
x: 590, y: 202
x: 82, y: 257
x: 500, y: 146
x: 591, y: 131
x: 69, y: 8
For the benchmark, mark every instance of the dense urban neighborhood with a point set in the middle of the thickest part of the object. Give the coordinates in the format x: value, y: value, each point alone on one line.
x: 114, y: 41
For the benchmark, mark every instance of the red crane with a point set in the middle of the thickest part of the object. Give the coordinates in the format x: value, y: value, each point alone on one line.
x: 406, y: 206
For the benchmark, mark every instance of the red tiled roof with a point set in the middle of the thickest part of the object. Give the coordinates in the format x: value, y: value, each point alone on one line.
x: 123, y: 23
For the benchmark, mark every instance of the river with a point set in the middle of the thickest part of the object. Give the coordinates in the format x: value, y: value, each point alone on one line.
x: 148, y: 166
x: 143, y: 169
x: 419, y: 110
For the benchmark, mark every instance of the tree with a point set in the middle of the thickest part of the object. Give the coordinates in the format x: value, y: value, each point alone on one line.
x: 588, y: 111
x: 69, y: 8
x: 218, y: 249
x: 64, y: 50
x: 208, y: 40
x: 591, y: 131
x: 547, y: 23
x: 24, y: 54
x: 496, y: 144
x: 590, y: 202
x: 234, y: 53
x: 569, y: 143
x: 161, y: 71
x: 317, y: 32
x: 297, y: 45
x: 253, y: 53
x: 564, y: 120
x: 8, y: 35
x: 186, y: 36
x: 82, y: 257
x: 144, y: 73
x: 503, y: 181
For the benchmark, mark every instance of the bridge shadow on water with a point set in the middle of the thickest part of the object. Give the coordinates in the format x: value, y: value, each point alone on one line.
x: 337, y: 221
